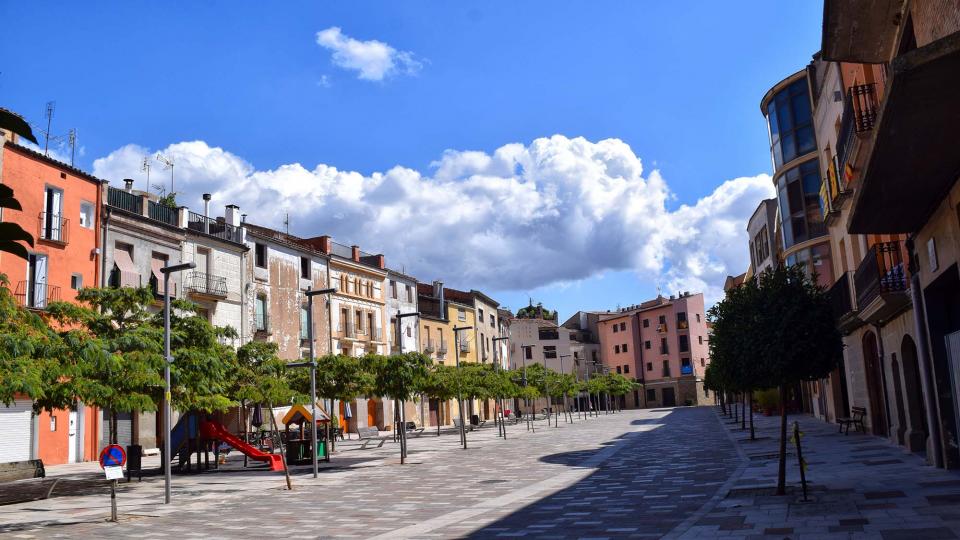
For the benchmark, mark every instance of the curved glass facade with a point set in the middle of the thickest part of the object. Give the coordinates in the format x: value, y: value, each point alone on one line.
x: 790, y: 123
x: 798, y: 194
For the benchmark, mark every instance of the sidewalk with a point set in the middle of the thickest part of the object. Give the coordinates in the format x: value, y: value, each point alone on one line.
x: 860, y: 486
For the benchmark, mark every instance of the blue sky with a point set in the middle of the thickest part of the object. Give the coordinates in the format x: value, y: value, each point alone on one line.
x: 679, y: 83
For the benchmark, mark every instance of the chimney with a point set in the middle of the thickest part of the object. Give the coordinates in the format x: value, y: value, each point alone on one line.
x: 128, y: 184
x: 206, y: 205
x: 232, y: 215
x: 355, y: 253
x: 381, y: 264
x: 324, y: 242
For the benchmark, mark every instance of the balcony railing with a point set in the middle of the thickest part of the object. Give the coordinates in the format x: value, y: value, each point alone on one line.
x: 214, y: 227
x: 882, y: 271
x: 162, y: 213
x: 376, y: 334
x: 35, y: 295
x: 428, y: 346
x: 442, y: 348
x: 664, y: 349
x: 464, y: 346
x: 859, y: 115
x: 124, y: 200
x: 206, y: 284
x: 662, y: 328
x: 347, y: 331
x: 842, y: 299
x: 53, y: 227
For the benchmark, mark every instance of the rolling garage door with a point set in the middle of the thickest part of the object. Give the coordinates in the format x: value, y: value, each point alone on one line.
x: 16, y: 423
x: 124, y: 428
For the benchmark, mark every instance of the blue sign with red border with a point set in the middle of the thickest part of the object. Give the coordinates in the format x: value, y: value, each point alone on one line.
x: 113, y: 456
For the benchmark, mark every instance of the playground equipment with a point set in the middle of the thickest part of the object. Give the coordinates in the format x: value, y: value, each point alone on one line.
x: 299, y: 444
x: 215, y: 431
x: 195, y: 433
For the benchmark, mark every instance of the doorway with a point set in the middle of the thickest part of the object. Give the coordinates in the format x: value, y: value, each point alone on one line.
x: 898, y: 398
x: 912, y: 389
x: 669, y: 397
x: 372, y: 405
x: 72, y: 438
x: 942, y: 299
x: 872, y: 367
x: 434, y: 410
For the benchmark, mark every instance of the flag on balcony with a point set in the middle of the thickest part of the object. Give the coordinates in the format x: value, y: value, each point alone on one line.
x: 848, y: 172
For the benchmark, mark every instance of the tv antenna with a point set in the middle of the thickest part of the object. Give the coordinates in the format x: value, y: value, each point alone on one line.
x: 145, y: 167
x: 51, y: 106
x: 72, y: 141
x: 286, y: 222
x: 167, y: 165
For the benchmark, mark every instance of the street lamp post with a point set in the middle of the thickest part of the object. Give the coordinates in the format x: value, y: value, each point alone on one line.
x: 456, y: 355
x: 402, y: 430
x: 526, y: 400
x: 563, y: 373
x: 496, y: 368
x: 167, y: 360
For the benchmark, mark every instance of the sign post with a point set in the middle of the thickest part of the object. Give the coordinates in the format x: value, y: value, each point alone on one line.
x: 112, y: 460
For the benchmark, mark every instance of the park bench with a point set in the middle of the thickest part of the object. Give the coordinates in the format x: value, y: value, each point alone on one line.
x: 413, y: 429
x: 21, y: 470
x: 855, y: 419
x: 369, y: 434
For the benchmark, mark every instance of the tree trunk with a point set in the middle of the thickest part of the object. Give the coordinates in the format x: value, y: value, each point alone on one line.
x: 782, y: 468
x: 743, y: 408
x: 753, y: 434
x: 242, y: 416
x: 113, y: 426
x: 283, y: 451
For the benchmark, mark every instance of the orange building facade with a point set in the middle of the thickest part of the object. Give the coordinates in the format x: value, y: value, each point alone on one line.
x: 61, y: 211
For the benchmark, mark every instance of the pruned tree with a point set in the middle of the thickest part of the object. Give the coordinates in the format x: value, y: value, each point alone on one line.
x: 399, y: 376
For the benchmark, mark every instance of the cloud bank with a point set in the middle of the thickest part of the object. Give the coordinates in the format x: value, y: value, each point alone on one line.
x: 556, y: 210
x: 372, y: 60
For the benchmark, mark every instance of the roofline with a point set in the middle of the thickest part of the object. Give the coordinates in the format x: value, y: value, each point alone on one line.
x: 54, y: 162
x: 779, y: 86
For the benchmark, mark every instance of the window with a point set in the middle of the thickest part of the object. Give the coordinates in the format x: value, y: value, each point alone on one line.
x: 548, y: 334
x: 623, y: 347
x: 646, y: 323
x: 616, y: 349
x: 646, y: 344
x: 651, y: 394
x: 798, y: 192
x: 528, y: 353
x: 684, y: 343
x: 86, y: 215
x: 623, y: 327
x: 626, y: 368
x: 616, y: 328
x: 461, y: 314
x: 663, y: 319
x: 393, y: 291
x: 305, y: 267
x: 52, y: 226
x: 649, y: 366
x: 698, y: 317
x: 790, y: 122
x: 260, y: 255
x: 663, y: 346
x: 686, y: 368
x: 700, y: 339
x: 493, y: 321
x: 550, y: 351
x: 53, y: 423
x: 76, y: 282
x: 260, y: 313
x: 409, y: 332
x: 666, y: 368
x: 304, y: 323
x: 619, y: 369
x: 681, y: 316
x: 36, y: 286
x: 480, y: 315
x: 702, y: 363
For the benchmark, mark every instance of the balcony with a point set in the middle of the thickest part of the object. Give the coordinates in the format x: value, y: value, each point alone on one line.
x: 163, y: 213
x: 881, y: 283
x: 683, y: 325
x: 464, y: 346
x: 214, y: 227
x: 376, y: 334
x: 442, y: 348
x: 664, y: 350
x: 843, y: 304
x: 206, y: 285
x: 860, y: 110
x: 35, y: 295
x: 913, y: 162
x: 347, y: 331
x: 662, y: 328
x: 53, y: 227
x: 428, y: 346
x: 124, y: 200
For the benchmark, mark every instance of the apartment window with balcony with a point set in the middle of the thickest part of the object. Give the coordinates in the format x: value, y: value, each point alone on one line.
x: 684, y: 343
x: 666, y: 368
x: 260, y: 313
x: 304, y: 324
x: 52, y: 221
x: 626, y: 368
x: 646, y: 344
x: 686, y: 368
x: 623, y: 347
x: 86, y: 215
x: 393, y: 290
x: 260, y: 255
x: 623, y: 327
x: 372, y: 327
x: 305, y: 267
x: 616, y: 349
x: 681, y: 317
x: 649, y: 366
x: 663, y: 319
x: 790, y: 123
x: 646, y: 323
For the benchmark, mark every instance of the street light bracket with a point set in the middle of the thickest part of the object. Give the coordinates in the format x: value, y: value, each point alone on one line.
x: 177, y: 268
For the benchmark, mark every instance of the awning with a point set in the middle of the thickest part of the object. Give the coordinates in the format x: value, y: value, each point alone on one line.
x: 914, y: 161
x: 129, y: 277
x: 155, y: 266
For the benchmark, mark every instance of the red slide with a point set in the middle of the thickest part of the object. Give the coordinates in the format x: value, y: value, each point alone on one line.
x: 216, y: 430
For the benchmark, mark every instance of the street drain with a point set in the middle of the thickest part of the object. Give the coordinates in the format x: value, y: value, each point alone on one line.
x: 492, y: 481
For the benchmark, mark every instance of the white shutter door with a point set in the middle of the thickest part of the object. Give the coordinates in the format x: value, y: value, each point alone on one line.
x: 15, y: 426
x: 40, y: 280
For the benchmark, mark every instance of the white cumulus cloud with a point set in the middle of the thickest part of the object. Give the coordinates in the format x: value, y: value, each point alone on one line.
x: 372, y: 60
x: 556, y: 210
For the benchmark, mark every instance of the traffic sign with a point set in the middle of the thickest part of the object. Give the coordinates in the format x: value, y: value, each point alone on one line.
x: 113, y: 456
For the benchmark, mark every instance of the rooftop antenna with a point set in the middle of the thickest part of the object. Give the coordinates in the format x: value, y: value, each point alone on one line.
x: 72, y: 141
x: 286, y: 222
x: 167, y: 165
x: 51, y: 105
x: 145, y: 167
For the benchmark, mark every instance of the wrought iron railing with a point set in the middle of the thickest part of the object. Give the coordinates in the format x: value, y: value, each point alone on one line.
x: 347, y: 330
x: 208, y: 284
x: 35, y: 294
x: 842, y: 299
x: 54, y: 227
x: 859, y: 115
x: 214, y: 227
x: 162, y: 213
x: 124, y: 200
x: 882, y: 271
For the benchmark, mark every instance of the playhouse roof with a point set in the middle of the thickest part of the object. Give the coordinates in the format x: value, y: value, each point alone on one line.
x: 298, y: 414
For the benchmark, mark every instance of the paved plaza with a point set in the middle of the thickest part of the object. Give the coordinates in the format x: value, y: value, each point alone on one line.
x: 676, y: 473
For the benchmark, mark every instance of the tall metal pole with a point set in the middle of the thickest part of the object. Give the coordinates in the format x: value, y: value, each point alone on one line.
x: 167, y: 458
x: 313, y: 383
x: 456, y: 355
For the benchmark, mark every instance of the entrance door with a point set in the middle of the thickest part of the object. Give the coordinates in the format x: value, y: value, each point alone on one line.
x: 16, y: 425
x: 871, y: 361
x: 669, y: 397
x: 372, y: 413
x: 72, y: 438
x: 434, y: 407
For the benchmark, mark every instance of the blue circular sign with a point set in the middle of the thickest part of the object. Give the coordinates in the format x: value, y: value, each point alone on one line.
x: 113, y: 456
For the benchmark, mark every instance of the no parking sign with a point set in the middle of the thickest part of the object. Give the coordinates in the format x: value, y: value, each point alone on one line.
x: 113, y: 456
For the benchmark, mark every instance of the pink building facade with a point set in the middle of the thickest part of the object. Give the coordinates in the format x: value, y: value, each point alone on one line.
x: 662, y: 344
